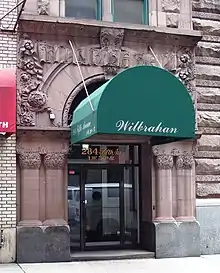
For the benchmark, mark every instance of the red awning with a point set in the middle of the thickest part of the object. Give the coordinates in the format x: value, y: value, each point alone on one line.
x: 7, y: 101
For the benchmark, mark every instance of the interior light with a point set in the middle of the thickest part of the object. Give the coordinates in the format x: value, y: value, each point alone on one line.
x: 85, y: 146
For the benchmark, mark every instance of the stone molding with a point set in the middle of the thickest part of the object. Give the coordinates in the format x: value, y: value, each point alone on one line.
x: 164, y: 162
x: 30, y: 160
x: 35, y: 56
x: 55, y: 161
x: 74, y: 93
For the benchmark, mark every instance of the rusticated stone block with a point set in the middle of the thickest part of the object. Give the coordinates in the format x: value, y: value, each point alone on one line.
x: 209, y: 143
x: 43, y: 244
x: 57, y: 244
x: 208, y: 49
x: 208, y: 95
x: 209, y: 119
x: 208, y: 72
x: 208, y: 27
x: 207, y: 189
x: 208, y: 166
x: 177, y: 239
x: 30, y: 244
x: 206, y: 5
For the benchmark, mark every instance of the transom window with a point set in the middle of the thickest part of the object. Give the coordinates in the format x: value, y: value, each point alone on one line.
x: 130, y: 11
x: 127, y: 11
x: 83, y: 9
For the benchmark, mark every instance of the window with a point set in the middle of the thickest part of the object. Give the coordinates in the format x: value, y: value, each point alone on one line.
x: 130, y: 11
x: 83, y: 9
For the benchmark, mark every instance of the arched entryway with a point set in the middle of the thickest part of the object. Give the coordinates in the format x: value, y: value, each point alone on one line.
x: 103, y: 191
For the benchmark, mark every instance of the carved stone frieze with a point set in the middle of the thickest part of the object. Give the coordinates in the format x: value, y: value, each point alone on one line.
x: 43, y: 7
x: 164, y: 162
x: 30, y: 74
x: 55, y: 161
x: 30, y: 160
x: 184, y: 161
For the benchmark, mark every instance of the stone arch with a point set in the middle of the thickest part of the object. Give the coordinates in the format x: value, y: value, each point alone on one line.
x: 93, y: 79
x: 59, y: 84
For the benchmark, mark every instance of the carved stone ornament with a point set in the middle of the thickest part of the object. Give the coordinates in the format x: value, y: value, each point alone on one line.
x: 30, y: 160
x: 30, y: 74
x: 111, y: 43
x: 55, y: 161
x: 184, y: 162
x: 43, y: 7
x: 164, y: 162
x: 185, y: 70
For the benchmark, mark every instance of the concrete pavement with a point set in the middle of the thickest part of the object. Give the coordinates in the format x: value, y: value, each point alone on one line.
x: 203, y: 264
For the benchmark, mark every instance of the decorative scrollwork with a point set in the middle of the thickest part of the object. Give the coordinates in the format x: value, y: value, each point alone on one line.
x: 164, y: 162
x: 55, y: 161
x: 30, y: 160
x: 30, y: 74
x: 184, y: 161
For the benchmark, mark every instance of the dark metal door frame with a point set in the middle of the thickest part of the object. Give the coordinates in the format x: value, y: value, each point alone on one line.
x: 84, y: 169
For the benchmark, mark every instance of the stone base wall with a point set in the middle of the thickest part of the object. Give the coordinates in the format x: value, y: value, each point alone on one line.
x: 208, y: 215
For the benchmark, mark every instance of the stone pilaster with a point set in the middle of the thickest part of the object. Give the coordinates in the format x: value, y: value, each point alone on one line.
x: 55, y: 185
x: 30, y: 163
x: 107, y: 12
x: 185, y: 187
x: 164, y: 166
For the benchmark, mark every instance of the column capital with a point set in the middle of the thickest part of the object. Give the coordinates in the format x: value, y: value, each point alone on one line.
x: 55, y: 161
x: 184, y: 161
x: 30, y: 160
x: 164, y: 162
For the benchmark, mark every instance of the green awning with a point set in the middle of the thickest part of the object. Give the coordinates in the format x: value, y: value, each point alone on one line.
x: 140, y: 101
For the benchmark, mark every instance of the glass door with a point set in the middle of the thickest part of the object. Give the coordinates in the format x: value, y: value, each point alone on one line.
x: 102, y: 205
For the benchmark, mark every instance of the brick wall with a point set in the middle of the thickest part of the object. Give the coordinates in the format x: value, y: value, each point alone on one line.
x: 8, y: 56
x: 7, y: 182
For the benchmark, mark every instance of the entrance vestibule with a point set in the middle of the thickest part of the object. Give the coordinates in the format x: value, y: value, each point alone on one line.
x: 103, y: 196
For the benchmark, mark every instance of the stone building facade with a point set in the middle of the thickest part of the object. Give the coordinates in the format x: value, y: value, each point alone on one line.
x: 8, y: 59
x: 206, y: 19
x: 49, y: 85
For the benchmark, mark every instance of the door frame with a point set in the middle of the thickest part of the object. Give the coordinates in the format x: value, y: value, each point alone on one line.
x: 121, y: 245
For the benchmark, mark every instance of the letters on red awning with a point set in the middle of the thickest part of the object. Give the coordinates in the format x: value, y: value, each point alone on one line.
x: 7, y: 101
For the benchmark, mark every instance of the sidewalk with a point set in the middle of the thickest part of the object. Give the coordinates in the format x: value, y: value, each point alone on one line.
x: 203, y: 264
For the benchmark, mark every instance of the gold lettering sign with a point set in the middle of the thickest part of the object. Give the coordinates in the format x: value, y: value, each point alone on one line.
x: 100, y: 154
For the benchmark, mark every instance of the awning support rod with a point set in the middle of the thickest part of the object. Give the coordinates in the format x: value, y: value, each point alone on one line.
x: 155, y: 57
x: 80, y: 72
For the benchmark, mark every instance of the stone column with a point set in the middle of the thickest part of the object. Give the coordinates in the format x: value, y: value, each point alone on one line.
x: 30, y: 163
x: 164, y: 165
x: 161, y: 15
x: 185, y: 14
x: 107, y: 10
x: 185, y: 188
x: 55, y: 185
x: 152, y: 12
